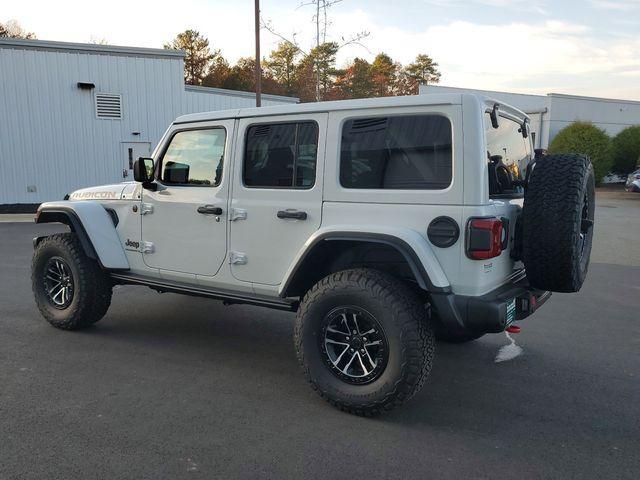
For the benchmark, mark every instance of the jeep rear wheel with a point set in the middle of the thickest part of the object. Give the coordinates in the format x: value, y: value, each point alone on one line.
x: 557, y: 222
x: 70, y: 289
x: 364, y: 341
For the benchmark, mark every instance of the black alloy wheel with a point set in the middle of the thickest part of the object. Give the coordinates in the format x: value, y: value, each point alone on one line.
x: 58, y: 282
x: 354, y: 345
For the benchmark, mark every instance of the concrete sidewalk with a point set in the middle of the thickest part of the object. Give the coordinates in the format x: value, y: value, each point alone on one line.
x: 16, y: 217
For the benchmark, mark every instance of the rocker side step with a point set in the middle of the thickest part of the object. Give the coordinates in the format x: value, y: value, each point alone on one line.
x: 226, y: 296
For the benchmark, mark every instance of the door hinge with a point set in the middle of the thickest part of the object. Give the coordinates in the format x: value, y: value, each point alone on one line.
x: 147, y: 247
x: 238, y: 214
x: 146, y: 208
x: 237, y: 258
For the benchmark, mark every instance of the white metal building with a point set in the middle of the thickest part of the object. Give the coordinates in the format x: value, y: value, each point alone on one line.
x: 74, y: 115
x: 551, y: 113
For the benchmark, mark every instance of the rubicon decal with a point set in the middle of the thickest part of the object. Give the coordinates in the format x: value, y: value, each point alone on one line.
x: 95, y: 196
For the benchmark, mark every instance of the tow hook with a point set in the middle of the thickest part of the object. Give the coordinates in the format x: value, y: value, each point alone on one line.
x: 513, y: 329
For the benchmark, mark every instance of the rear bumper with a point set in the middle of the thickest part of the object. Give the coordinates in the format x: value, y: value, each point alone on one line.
x: 489, y: 313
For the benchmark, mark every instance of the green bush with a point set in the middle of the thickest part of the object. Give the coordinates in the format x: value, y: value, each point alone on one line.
x: 585, y: 138
x: 626, y: 149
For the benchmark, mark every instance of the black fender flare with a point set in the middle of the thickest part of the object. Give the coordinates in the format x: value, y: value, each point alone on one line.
x: 417, y: 268
x: 70, y: 218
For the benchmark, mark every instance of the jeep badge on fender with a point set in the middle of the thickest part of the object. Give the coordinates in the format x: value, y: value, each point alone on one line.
x: 132, y: 244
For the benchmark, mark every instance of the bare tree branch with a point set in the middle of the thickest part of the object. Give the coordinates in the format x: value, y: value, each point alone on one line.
x: 322, y: 22
x: 355, y: 40
x: 268, y: 26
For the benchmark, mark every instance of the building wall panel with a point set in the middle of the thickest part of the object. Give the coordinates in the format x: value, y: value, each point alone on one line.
x: 50, y: 137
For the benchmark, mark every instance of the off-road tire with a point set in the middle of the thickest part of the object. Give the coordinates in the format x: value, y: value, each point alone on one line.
x: 402, y: 315
x: 92, y: 288
x: 559, y: 196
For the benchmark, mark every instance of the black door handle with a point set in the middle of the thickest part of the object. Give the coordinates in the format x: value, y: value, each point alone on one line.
x: 209, y: 210
x: 295, y: 214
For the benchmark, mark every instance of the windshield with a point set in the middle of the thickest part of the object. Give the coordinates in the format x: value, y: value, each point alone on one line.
x: 508, y: 156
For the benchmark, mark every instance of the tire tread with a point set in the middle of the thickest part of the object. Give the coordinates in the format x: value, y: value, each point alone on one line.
x: 551, y: 221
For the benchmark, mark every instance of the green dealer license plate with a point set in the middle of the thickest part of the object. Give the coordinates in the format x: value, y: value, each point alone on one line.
x: 511, y: 311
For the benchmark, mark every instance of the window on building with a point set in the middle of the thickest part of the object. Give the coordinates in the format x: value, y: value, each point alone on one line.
x: 508, y: 155
x: 194, y: 157
x: 281, y: 155
x: 403, y: 152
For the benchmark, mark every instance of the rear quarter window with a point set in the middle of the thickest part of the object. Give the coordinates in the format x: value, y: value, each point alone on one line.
x: 396, y: 152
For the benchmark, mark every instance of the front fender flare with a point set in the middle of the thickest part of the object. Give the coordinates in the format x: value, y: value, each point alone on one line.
x: 94, y: 227
x: 409, y: 243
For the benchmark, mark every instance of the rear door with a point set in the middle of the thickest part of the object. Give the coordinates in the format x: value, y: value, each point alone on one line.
x: 277, y: 193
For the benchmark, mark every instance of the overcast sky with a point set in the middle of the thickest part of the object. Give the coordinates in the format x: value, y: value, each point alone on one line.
x: 585, y: 47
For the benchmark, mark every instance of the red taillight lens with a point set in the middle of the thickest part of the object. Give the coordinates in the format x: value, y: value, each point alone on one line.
x: 484, y: 238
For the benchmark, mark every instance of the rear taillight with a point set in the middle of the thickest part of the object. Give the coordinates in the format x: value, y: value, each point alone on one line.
x: 485, y: 238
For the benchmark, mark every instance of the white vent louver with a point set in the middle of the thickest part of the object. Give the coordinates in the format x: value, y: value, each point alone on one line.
x: 108, y: 105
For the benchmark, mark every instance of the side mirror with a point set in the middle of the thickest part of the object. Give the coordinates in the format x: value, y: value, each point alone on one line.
x: 143, y: 170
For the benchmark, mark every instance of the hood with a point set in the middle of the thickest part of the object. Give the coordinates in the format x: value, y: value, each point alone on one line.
x: 117, y: 191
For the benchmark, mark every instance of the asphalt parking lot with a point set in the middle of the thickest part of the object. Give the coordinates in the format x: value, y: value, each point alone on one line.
x: 176, y: 387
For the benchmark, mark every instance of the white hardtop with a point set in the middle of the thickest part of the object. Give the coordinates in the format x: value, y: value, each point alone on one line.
x: 364, y: 103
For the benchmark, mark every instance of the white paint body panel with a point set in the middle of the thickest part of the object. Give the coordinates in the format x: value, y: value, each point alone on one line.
x: 102, y: 192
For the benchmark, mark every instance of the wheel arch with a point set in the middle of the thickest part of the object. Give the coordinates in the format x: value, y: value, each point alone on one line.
x: 322, y: 254
x: 94, y: 227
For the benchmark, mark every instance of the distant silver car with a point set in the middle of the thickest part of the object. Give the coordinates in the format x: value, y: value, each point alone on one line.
x: 633, y: 182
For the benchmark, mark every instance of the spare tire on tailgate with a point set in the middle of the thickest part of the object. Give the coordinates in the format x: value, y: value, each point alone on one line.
x: 557, y: 222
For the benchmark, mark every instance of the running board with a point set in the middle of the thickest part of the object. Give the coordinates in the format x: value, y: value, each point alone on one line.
x: 225, y: 296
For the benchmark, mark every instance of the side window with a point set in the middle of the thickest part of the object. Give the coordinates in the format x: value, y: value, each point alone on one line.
x: 281, y: 155
x: 404, y: 152
x: 194, y: 157
x: 507, y: 147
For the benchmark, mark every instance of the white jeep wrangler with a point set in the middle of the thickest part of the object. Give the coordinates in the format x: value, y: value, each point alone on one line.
x: 384, y: 223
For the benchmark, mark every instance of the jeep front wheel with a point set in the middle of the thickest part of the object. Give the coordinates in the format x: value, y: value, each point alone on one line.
x: 364, y: 341
x: 70, y: 289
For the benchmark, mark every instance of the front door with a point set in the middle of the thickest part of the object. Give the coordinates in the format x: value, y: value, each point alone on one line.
x: 185, y: 227
x: 131, y: 151
x: 277, y: 193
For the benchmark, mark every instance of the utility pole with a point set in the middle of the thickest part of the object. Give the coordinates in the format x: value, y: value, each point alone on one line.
x: 317, y: 50
x: 258, y: 67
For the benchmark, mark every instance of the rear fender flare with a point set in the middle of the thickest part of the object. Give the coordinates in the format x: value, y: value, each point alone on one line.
x: 413, y: 247
x: 93, y: 226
